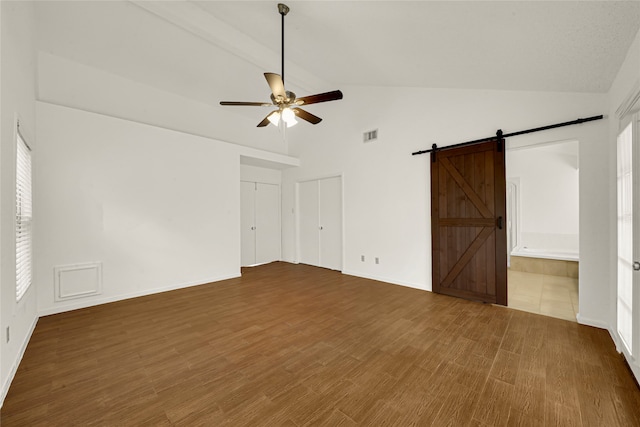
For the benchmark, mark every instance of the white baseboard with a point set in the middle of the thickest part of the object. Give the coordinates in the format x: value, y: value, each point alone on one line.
x: 591, y: 322
x: 387, y: 280
x: 76, y: 305
x: 16, y: 363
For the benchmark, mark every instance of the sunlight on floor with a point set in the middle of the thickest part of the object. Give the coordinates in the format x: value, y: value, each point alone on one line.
x: 553, y: 296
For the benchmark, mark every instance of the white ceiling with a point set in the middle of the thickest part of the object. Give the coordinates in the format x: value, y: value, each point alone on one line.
x: 575, y: 46
x: 214, y: 50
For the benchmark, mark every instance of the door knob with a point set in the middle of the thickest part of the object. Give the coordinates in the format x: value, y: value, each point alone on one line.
x: 636, y: 266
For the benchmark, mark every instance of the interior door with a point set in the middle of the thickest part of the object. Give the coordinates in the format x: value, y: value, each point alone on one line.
x: 469, y: 242
x: 260, y: 241
x: 628, y: 297
x: 267, y: 223
x: 247, y: 223
x: 330, y: 222
x: 309, y: 238
x: 320, y: 222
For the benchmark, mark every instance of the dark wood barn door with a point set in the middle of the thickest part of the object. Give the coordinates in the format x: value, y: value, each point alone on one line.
x: 468, y: 209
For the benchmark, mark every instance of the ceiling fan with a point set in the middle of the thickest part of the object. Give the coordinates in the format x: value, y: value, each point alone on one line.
x: 288, y: 106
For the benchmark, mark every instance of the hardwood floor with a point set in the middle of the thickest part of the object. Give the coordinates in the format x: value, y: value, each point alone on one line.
x: 292, y: 345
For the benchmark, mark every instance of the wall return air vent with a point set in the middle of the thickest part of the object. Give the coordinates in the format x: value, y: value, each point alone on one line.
x: 370, y: 136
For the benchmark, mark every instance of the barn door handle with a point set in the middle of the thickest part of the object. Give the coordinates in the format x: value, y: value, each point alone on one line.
x: 500, y: 223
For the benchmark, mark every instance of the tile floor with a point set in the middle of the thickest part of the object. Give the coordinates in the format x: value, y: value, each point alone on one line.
x: 553, y: 296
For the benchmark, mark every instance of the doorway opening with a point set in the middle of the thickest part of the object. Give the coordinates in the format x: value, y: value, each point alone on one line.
x: 542, y: 228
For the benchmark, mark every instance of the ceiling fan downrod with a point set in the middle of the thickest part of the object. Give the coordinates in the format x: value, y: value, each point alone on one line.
x: 283, y: 9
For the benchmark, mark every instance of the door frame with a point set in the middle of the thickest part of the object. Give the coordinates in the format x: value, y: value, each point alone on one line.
x: 517, y: 218
x: 297, y: 213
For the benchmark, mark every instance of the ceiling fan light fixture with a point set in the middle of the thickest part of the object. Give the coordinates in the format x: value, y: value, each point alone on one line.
x: 286, y: 115
x: 289, y: 117
x: 274, y: 118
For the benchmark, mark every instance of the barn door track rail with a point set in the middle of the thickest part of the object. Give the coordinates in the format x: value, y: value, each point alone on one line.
x: 499, y: 135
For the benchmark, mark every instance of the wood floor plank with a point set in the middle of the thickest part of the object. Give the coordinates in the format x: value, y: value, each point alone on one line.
x: 597, y: 408
x: 332, y: 418
x: 294, y: 345
x: 420, y: 409
x: 494, y: 404
x: 364, y: 399
x: 458, y: 407
x: 559, y: 415
x: 530, y: 395
x: 474, y: 375
x: 382, y: 415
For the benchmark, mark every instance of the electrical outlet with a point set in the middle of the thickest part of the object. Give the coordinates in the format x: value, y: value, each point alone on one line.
x: 8, y: 335
x: 362, y: 258
x: 377, y: 260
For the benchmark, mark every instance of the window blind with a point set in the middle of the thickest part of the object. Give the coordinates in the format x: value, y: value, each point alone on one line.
x: 23, y: 218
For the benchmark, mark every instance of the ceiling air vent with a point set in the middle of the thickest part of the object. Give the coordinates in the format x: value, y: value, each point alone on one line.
x: 370, y: 136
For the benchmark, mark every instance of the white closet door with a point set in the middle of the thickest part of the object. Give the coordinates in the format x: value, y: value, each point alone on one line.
x: 308, y: 216
x: 267, y: 223
x: 247, y: 223
x: 330, y: 192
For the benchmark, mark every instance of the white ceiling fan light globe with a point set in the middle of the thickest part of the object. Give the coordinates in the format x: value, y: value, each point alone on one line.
x: 274, y: 118
x: 289, y: 117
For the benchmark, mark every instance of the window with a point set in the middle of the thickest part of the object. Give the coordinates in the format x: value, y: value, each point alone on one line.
x: 23, y: 218
x: 625, y: 236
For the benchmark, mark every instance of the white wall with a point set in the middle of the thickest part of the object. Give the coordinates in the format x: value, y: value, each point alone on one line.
x: 158, y: 208
x: 65, y: 82
x: 548, y: 195
x: 386, y: 199
x: 17, y: 86
x: 259, y: 174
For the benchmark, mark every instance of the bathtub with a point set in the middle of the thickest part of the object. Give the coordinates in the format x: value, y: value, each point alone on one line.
x: 545, y: 253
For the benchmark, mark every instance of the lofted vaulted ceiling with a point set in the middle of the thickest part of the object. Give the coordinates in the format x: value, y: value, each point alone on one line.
x: 573, y: 46
x: 213, y: 50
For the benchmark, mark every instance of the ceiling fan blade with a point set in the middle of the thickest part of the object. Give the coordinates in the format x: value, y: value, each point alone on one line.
x: 252, y: 104
x: 305, y: 115
x: 321, y: 97
x: 276, y: 84
x: 264, y: 121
